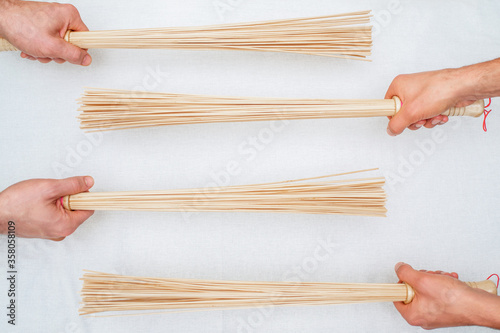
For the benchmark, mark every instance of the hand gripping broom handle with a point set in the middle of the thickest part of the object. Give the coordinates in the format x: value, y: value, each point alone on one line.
x: 486, y: 285
x: 476, y: 109
x: 6, y: 46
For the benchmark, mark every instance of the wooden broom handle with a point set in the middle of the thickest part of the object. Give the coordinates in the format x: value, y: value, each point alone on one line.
x: 65, y: 202
x: 486, y: 285
x: 476, y: 109
x: 5, y: 45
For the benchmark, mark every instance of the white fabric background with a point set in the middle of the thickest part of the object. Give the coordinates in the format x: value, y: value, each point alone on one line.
x: 443, y: 212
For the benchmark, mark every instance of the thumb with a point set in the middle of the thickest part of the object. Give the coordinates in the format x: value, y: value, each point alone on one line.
x: 400, y: 121
x: 71, y: 53
x: 407, y: 274
x: 73, y: 185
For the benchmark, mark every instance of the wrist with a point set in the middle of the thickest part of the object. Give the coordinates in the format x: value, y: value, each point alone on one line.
x: 459, y: 83
x: 468, y: 79
x: 485, y: 309
x: 5, y: 6
x: 479, y: 81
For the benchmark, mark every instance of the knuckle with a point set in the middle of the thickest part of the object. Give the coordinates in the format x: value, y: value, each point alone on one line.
x: 50, y: 191
x: 70, y: 8
x: 423, y: 282
x: 400, y: 78
x: 73, y: 183
x: 74, y: 55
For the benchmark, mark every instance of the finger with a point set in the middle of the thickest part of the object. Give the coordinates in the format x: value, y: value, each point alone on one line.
x: 444, y: 120
x: 73, y: 185
x: 400, y: 121
x: 77, y: 217
x: 57, y: 239
x: 31, y: 58
x: 69, y: 52
x: 455, y: 275
x: 417, y: 125
x: 432, y: 122
x: 59, y: 60
x: 392, y: 91
x: 75, y: 23
x: 24, y: 55
x: 407, y: 274
x: 44, y: 60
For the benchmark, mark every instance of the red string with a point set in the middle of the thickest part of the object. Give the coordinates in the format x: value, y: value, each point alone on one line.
x: 486, y: 113
x: 498, y: 278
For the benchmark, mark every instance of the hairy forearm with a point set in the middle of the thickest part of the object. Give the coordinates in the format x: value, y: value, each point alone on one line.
x: 487, y: 310
x: 479, y: 81
x: 5, y: 5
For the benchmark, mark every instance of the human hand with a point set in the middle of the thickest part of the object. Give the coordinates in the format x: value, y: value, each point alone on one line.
x: 35, y: 207
x: 425, y: 96
x: 38, y: 29
x: 441, y: 300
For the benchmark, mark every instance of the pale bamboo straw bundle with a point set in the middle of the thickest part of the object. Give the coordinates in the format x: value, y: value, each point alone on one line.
x: 343, y: 35
x: 106, y: 109
x: 103, y: 292
x: 318, y: 195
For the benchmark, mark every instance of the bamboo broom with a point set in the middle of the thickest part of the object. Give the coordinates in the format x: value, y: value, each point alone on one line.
x: 103, y: 292
x: 343, y: 35
x: 319, y: 195
x: 106, y: 109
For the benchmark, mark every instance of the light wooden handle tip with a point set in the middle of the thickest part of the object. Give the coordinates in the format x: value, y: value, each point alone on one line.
x: 486, y: 285
x: 397, y: 103
x: 6, y: 46
x: 65, y: 202
x: 476, y: 109
x: 410, y: 293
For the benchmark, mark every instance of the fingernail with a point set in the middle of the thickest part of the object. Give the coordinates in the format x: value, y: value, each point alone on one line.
x: 418, y: 125
x: 89, y: 181
x: 390, y: 132
x: 86, y: 60
x: 442, y: 122
x: 399, y: 264
x: 435, y: 121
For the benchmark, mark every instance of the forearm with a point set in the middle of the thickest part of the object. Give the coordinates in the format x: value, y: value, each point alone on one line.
x: 4, y: 219
x: 478, y: 81
x: 487, y: 311
x: 5, y: 6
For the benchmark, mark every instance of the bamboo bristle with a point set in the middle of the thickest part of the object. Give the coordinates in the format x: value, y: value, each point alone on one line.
x: 103, y: 292
x: 319, y: 195
x: 106, y: 109
x: 345, y: 35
